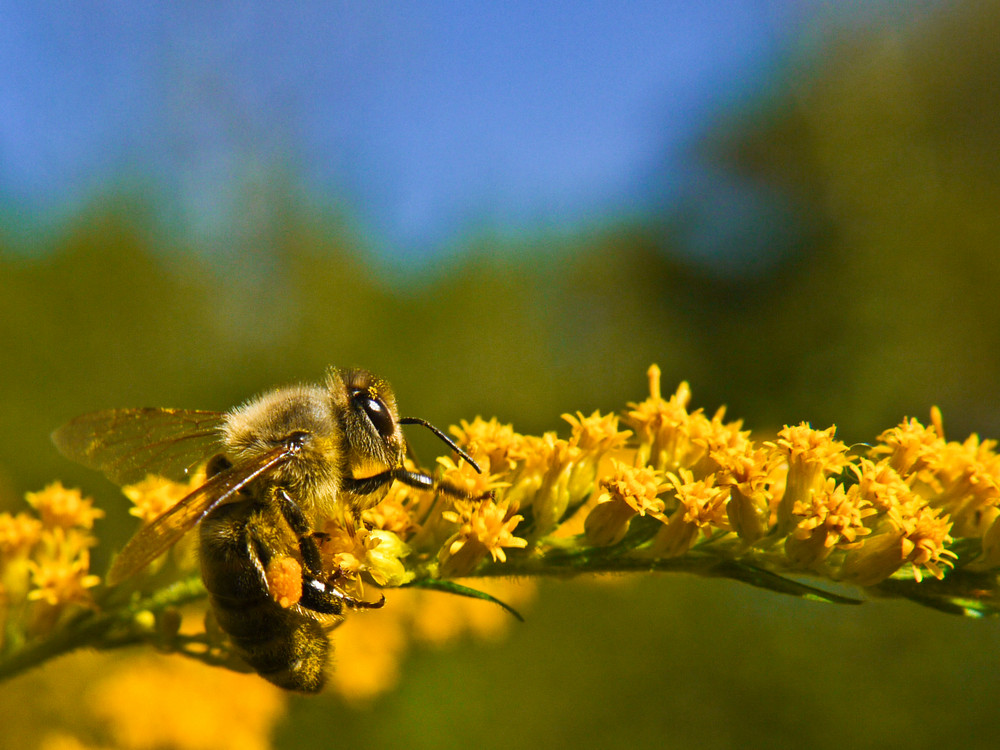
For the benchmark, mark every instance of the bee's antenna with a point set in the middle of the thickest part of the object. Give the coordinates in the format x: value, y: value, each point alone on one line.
x: 451, y: 443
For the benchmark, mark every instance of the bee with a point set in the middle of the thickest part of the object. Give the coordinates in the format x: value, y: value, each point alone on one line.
x: 280, y: 462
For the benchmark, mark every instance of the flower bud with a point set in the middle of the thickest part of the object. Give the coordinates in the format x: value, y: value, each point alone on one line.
x: 879, y: 557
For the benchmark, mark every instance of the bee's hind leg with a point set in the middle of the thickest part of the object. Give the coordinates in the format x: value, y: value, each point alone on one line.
x: 299, y: 524
x: 329, y: 599
x: 317, y: 594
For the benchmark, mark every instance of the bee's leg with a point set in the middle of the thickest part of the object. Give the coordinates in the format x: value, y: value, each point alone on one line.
x: 328, y: 599
x: 374, y: 483
x: 416, y: 479
x: 303, y: 532
x: 352, y: 521
x: 317, y: 595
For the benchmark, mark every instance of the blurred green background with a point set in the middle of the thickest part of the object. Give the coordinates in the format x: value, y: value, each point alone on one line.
x: 874, y: 153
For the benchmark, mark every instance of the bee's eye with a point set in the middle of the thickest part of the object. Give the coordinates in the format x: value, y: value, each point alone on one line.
x: 377, y: 412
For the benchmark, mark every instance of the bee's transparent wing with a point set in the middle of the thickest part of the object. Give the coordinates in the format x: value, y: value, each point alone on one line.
x: 153, y: 540
x: 129, y: 444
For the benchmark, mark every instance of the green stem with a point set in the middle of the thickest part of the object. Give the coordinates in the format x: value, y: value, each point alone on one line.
x: 114, y: 625
x: 694, y: 563
x: 101, y: 629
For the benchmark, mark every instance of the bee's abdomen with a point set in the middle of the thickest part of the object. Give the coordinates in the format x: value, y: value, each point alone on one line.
x: 282, y: 645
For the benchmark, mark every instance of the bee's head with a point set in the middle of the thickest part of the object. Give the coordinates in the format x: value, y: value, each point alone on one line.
x: 374, y: 440
x: 372, y: 424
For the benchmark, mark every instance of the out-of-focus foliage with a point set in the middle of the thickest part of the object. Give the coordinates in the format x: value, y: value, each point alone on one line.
x: 104, y: 319
x: 886, y: 146
x: 889, y: 146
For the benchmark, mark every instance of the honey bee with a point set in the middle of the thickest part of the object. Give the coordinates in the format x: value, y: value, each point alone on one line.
x: 280, y: 462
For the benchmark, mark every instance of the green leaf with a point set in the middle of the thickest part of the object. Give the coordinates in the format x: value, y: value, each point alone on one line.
x: 765, y: 579
x: 450, y: 587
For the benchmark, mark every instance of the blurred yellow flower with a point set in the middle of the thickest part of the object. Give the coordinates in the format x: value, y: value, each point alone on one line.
x: 155, y: 702
x: 61, y: 507
x: 155, y: 495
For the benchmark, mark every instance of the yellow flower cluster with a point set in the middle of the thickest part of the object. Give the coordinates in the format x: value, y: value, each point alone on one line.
x: 45, y: 561
x: 663, y: 480
x: 800, y: 502
x: 659, y: 487
x: 485, y: 528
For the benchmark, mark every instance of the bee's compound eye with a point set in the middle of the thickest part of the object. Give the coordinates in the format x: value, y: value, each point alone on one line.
x: 377, y: 412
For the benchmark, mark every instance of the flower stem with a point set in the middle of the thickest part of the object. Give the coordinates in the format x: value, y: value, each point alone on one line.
x: 104, y: 630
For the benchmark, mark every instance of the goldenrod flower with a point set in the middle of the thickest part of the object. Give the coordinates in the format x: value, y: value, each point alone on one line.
x: 368, y: 652
x: 341, y: 551
x: 159, y: 702
x: 831, y: 518
x: 384, y: 554
x: 926, y: 536
x: 597, y: 433
x: 721, y: 441
x: 701, y: 507
x: 595, y: 436
x: 879, y: 557
x: 917, y: 536
x: 62, y: 507
x: 812, y: 455
x: 466, y: 480
x: 61, y: 574
x: 628, y: 492
x: 675, y: 491
x: 45, y: 565
x: 378, y: 553
x: 18, y: 534
x: 964, y: 480
x: 750, y: 477
x: 369, y: 648
x: 547, y: 486
x: 489, y: 439
x: 155, y: 495
x: 908, y: 445
x: 485, y: 528
x: 664, y: 428
x: 882, y: 486
x: 398, y: 512
x: 62, y: 741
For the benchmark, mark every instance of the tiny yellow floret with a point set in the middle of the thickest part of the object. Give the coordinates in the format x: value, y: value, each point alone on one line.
x: 485, y: 528
x: 628, y: 492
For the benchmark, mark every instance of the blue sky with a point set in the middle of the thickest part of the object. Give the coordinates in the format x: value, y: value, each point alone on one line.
x: 427, y: 119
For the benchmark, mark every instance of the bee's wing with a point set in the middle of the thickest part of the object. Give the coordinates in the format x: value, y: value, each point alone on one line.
x: 129, y: 444
x: 153, y: 540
